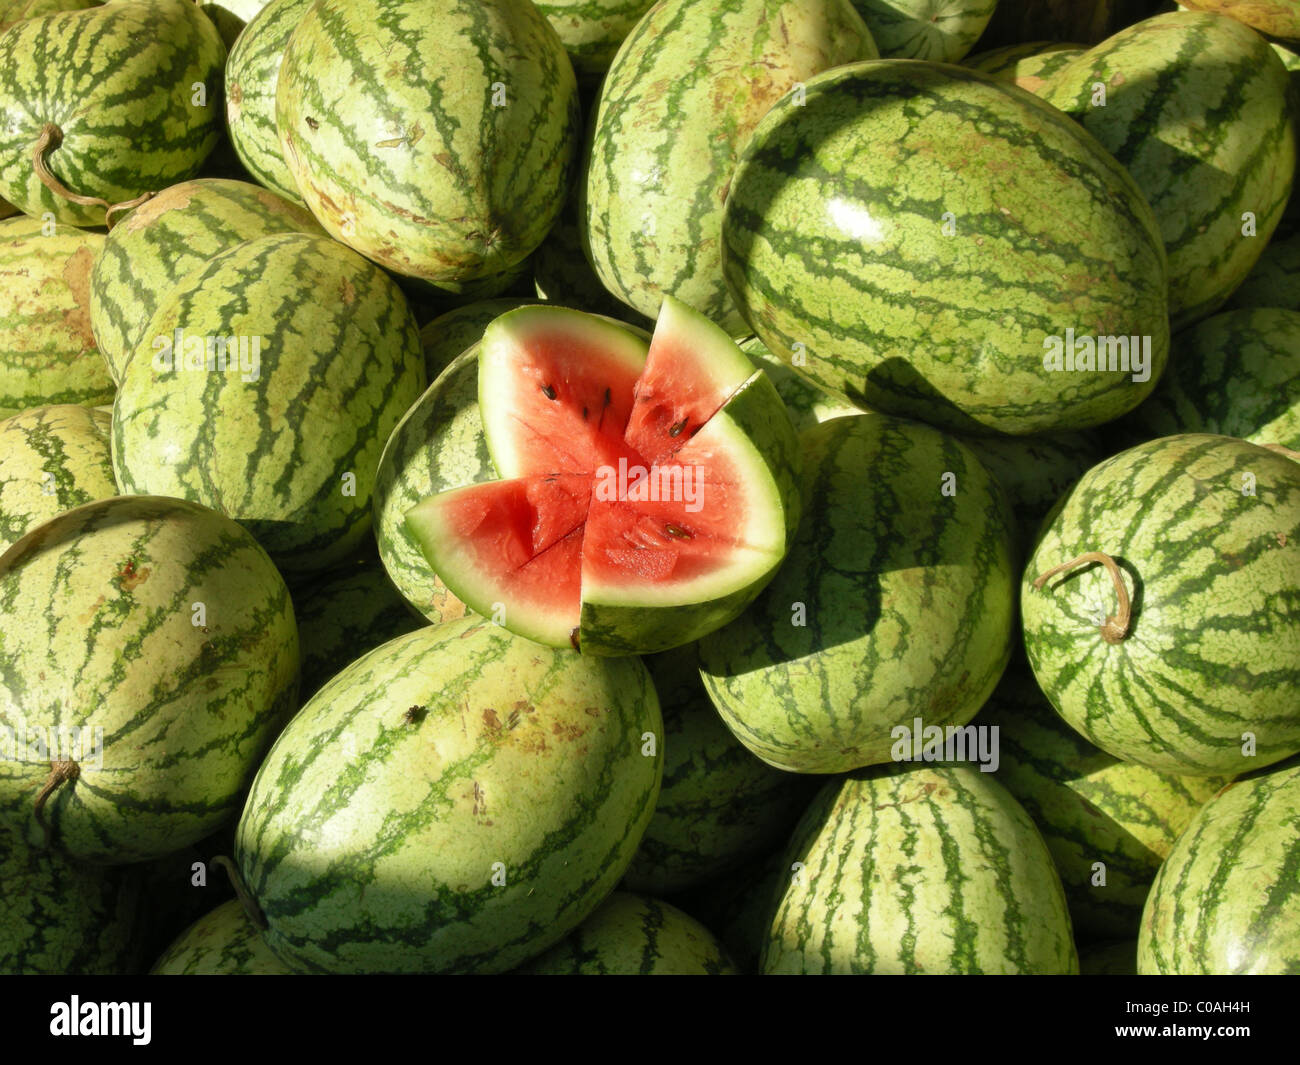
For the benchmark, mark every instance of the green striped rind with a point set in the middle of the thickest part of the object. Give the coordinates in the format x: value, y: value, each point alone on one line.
x: 1238, y: 374
x: 895, y: 602
x: 224, y: 943
x: 372, y: 832
x: 252, y: 73
x: 592, y: 30
x: 62, y: 918
x: 1274, y: 280
x: 445, y: 135
x: 1109, y: 959
x: 807, y: 403
x: 346, y: 613
x: 922, y: 870
x: 51, y: 460
x: 719, y: 806
x: 12, y: 11
x: 1168, y: 80
x: 1227, y: 899
x: 1090, y: 808
x: 633, y: 935
x: 677, y: 106
x: 1277, y: 18
x: 942, y: 31
x: 449, y: 335
x: 1026, y: 65
x: 118, y: 80
x: 1206, y: 530
x: 292, y: 454
x: 826, y: 246
x: 753, y: 430
x: 47, y: 348
x: 561, y: 274
x: 164, y: 241
x: 164, y: 625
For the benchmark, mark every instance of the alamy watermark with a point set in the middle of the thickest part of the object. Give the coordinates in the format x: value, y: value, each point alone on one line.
x: 932, y: 743
x: 197, y: 353
x: 43, y: 744
x: 1100, y: 354
x: 637, y: 484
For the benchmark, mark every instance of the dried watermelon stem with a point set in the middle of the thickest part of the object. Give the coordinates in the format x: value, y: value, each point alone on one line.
x: 61, y: 772
x: 1115, y: 627
x: 49, y: 140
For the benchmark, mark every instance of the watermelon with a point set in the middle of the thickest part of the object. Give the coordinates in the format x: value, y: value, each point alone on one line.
x: 164, y: 241
x: 366, y: 854
x: 316, y: 389
x: 807, y: 403
x: 347, y: 612
x: 633, y: 935
x: 896, y: 602
x: 1026, y: 65
x: 1167, y: 80
x: 719, y: 806
x: 1109, y: 959
x: 1237, y: 374
x: 47, y: 349
x: 876, y: 171
x: 12, y: 11
x: 252, y: 74
x: 148, y: 654
x: 561, y: 274
x: 51, y: 460
x: 1227, y: 899
x: 646, y: 497
x: 677, y: 106
x: 942, y: 31
x: 446, y: 337
x: 1090, y: 807
x: 1277, y: 18
x: 231, y: 16
x: 1274, y: 280
x: 223, y: 943
x: 901, y: 870
x: 101, y: 107
x: 62, y: 918
x: 592, y: 31
x: 1161, y: 606
x: 436, y: 139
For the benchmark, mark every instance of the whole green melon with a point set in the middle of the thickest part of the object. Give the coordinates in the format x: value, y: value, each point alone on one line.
x: 148, y: 655
x: 1274, y: 280
x: 457, y: 800
x: 1276, y: 18
x: 896, y: 602
x: 223, y: 943
x: 808, y: 403
x: 942, y: 31
x: 592, y: 30
x: 436, y: 139
x: 12, y: 11
x: 444, y: 338
x: 1161, y: 606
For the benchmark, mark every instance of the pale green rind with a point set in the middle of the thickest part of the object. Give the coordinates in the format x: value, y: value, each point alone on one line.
x: 633, y: 935
x: 806, y: 402
x: 1274, y: 280
x: 166, y: 626
x: 592, y: 30
x: 164, y: 241
x: 1197, y: 109
x: 51, y: 460
x: 935, y: 296
x: 919, y: 870
x: 373, y: 832
x: 1206, y: 531
x: 1227, y: 899
x: 47, y: 347
x: 942, y: 31
x: 896, y: 601
x: 1277, y: 18
x: 444, y: 135
x: 224, y: 943
x: 291, y: 454
x: 448, y: 336
x: 12, y: 11
x: 1026, y: 65
x: 118, y: 80
x: 678, y: 105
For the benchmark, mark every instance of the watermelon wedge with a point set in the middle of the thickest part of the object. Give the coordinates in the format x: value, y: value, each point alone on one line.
x: 647, y: 495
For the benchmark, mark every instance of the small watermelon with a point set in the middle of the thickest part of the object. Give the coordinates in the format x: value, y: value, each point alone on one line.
x: 223, y: 943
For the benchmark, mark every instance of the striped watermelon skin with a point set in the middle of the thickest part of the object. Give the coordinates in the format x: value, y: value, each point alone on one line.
x: 446, y: 337
x: 1090, y: 807
x: 1280, y: 19
x: 62, y: 918
x: 634, y: 935
x: 118, y: 80
x: 334, y: 379
x: 1168, y: 79
x: 365, y: 855
x: 12, y: 11
x: 805, y: 402
x: 922, y: 870
x: 1237, y: 374
x: 1026, y: 65
x: 561, y: 274
x: 166, y: 626
x: 468, y: 188
x: 164, y: 241
x: 677, y: 106
x: 223, y: 943
x: 231, y: 16
x: 1227, y: 899
x: 942, y: 31
x: 47, y: 348
x: 904, y: 324
x: 51, y: 460
x: 895, y: 602
x: 719, y: 806
x: 1274, y: 280
x: 252, y: 74
x: 592, y: 31
x: 1212, y: 655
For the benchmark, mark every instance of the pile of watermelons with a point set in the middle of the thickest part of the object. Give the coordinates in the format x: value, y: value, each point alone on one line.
x: 592, y: 487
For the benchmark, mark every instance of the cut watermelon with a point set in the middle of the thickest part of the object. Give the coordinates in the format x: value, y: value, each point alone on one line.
x: 586, y: 541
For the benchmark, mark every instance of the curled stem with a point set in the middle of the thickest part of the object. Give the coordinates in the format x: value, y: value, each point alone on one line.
x: 1115, y: 627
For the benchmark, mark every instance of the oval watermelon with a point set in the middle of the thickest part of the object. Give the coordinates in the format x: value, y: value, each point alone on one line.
x: 942, y: 31
x: 223, y: 943
x: 592, y: 30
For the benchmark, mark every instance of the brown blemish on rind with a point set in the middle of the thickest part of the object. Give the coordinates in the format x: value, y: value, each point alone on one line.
x: 76, y: 275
